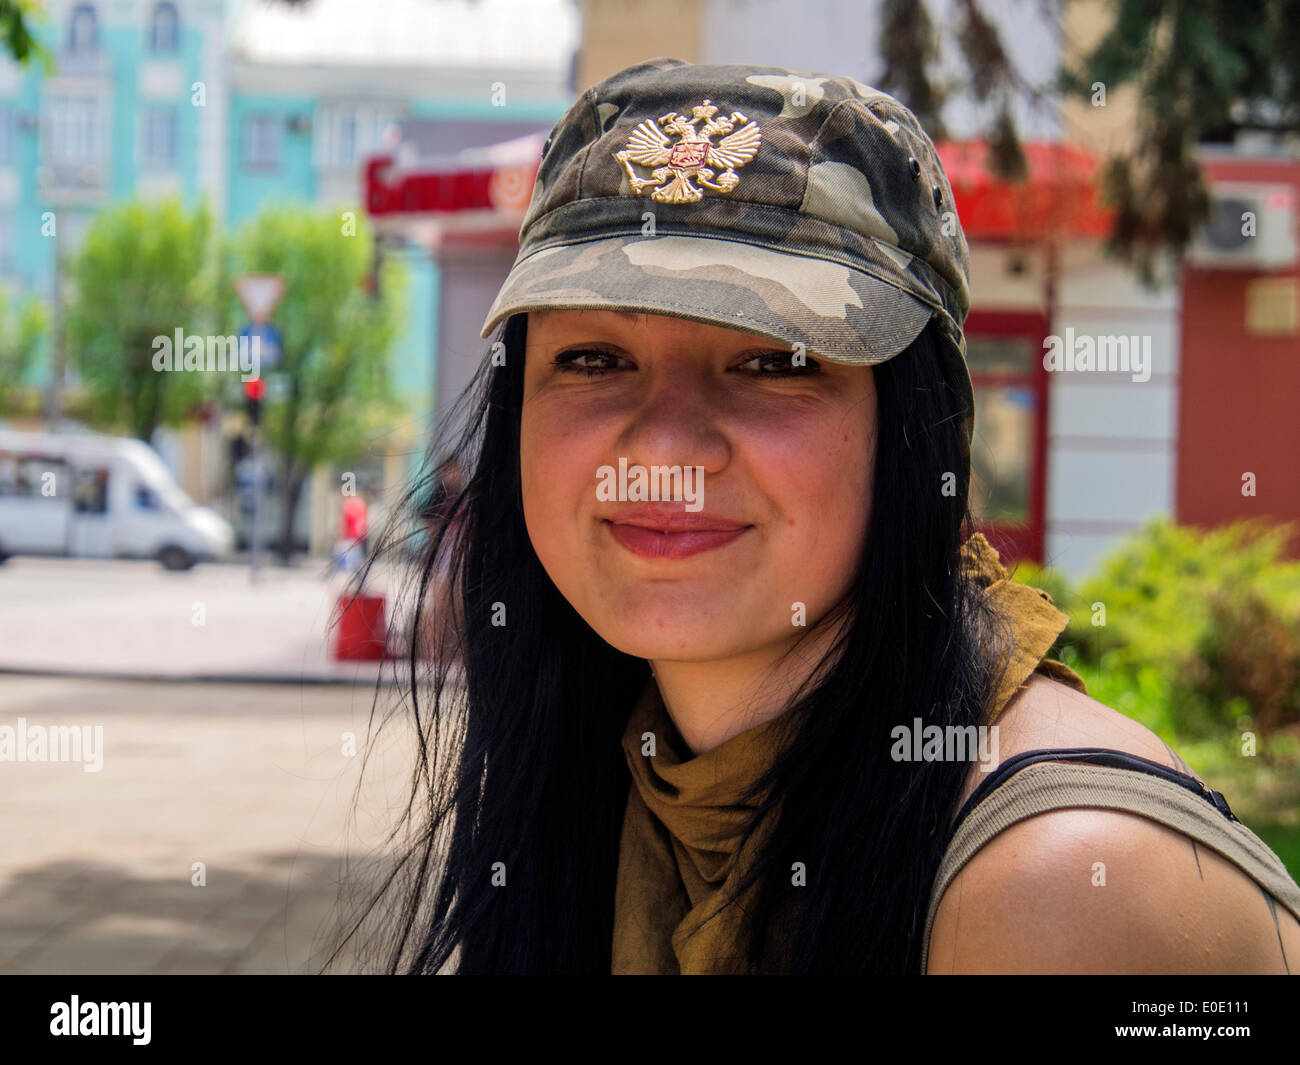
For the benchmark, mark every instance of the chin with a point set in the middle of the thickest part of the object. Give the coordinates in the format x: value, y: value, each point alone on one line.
x: 680, y: 628
x: 704, y: 645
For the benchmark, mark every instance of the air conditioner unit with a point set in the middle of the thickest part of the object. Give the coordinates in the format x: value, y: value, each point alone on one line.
x: 1252, y: 226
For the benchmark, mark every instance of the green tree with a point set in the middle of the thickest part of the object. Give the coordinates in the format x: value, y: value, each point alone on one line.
x: 143, y: 271
x: 912, y: 48
x: 336, y: 339
x: 1204, y: 69
x: 16, y: 37
x: 23, y: 329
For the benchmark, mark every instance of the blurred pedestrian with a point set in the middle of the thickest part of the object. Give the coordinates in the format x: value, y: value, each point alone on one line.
x: 354, y: 534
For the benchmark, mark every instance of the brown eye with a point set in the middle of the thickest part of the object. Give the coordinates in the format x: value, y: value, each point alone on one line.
x: 779, y: 363
x: 589, y: 361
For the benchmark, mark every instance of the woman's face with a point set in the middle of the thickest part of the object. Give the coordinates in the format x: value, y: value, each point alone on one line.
x: 777, y: 517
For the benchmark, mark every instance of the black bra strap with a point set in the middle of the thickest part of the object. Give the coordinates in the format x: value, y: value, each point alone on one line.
x: 1092, y: 756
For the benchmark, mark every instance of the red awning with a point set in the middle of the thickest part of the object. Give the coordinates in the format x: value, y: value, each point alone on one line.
x: 478, y: 194
x: 484, y: 192
x: 1060, y: 198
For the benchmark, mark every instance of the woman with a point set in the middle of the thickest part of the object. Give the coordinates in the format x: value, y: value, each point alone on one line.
x: 732, y: 667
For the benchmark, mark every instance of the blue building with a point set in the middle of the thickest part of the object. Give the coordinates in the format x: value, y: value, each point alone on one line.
x: 134, y: 105
x: 246, y: 101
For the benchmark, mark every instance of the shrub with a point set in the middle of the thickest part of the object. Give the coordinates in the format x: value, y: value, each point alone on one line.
x: 1214, y: 613
x: 1250, y: 652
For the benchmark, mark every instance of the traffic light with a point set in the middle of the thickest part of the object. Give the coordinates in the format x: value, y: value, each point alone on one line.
x: 254, y: 390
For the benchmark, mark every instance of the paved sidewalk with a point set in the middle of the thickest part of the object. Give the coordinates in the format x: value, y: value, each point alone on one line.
x: 135, y: 619
x: 254, y: 781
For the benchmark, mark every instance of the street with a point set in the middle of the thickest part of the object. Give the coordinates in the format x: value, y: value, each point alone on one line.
x: 135, y: 619
x: 97, y: 869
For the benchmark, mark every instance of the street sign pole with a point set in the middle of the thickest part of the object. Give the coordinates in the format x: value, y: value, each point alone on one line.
x: 260, y: 295
x: 255, y: 389
x: 254, y: 546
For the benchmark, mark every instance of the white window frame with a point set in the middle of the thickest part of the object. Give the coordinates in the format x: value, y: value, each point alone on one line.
x: 367, y: 121
x: 8, y: 132
x: 8, y: 231
x: 252, y: 154
x: 74, y: 131
x: 153, y: 118
x: 172, y: 44
x: 92, y: 46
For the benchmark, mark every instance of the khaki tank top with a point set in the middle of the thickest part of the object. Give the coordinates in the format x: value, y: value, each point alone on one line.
x: 1036, y: 782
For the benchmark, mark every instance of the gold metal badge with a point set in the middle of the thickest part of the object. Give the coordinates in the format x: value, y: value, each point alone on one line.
x: 694, y: 155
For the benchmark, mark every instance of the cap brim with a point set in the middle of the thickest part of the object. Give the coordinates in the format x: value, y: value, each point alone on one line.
x: 838, y: 312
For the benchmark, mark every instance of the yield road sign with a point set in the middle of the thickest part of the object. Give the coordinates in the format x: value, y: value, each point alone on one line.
x: 260, y: 295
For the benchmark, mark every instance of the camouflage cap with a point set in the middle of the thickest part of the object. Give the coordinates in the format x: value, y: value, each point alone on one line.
x: 806, y: 208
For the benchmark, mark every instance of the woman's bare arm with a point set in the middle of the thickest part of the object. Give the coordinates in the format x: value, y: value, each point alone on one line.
x: 1101, y: 891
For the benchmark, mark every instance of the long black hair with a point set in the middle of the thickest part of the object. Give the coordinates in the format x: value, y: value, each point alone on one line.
x: 506, y: 854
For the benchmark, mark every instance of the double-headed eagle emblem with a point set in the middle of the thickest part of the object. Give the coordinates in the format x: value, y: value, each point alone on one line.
x: 693, y: 156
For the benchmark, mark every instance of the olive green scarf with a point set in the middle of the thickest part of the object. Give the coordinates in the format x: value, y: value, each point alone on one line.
x: 679, y: 855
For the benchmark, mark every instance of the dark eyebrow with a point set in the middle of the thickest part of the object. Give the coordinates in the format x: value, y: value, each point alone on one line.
x: 632, y: 317
x: 625, y: 315
x: 760, y: 345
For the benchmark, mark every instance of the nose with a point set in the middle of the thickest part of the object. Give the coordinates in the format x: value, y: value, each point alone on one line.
x: 676, y: 423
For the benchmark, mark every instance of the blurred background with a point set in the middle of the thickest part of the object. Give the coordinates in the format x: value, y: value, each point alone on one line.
x: 337, y: 187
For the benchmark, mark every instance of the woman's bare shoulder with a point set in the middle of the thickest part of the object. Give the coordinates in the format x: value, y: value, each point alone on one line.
x: 1046, y: 715
x: 1093, y: 891
x: 1102, y: 891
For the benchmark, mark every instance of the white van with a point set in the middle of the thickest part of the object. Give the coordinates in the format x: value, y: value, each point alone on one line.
x: 92, y: 496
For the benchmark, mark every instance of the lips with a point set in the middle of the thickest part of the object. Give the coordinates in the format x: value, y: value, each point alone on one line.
x: 658, y: 534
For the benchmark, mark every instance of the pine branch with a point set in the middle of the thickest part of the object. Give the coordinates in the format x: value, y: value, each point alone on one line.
x: 909, y: 47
